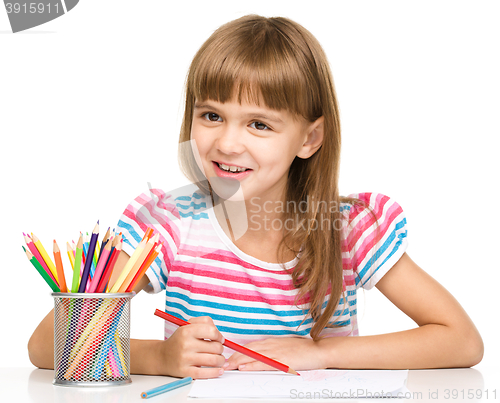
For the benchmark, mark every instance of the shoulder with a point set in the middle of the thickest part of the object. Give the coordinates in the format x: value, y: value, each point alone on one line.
x: 375, y: 233
x: 174, y: 204
x: 162, y: 211
x: 363, y: 210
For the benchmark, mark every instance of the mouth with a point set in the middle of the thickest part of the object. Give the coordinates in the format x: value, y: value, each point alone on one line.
x: 230, y: 171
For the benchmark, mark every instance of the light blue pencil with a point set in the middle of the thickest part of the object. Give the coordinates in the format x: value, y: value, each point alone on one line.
x: 166, y: 388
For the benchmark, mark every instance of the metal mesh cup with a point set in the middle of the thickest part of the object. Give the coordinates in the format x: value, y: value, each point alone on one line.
x: 91, y: 339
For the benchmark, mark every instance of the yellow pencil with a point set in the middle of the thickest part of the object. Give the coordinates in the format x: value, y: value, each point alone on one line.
x: 128, y: 266
x: 70, y: 255
x: 137, y: 265
x: 45, y: 256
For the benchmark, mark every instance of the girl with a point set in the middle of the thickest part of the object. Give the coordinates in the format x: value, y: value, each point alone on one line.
x: 262, y: 249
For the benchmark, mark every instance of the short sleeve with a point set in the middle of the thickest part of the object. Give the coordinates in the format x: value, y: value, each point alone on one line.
x: 158, y: 211
x: 375, y: 241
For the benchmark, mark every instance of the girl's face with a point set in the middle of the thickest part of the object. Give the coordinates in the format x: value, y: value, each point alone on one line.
x: 250, y: 144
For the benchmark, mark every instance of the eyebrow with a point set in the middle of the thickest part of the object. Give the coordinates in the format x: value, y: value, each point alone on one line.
x: 271, y: 118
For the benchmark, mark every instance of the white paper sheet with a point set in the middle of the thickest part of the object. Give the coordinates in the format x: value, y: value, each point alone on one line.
x: 320, y: 384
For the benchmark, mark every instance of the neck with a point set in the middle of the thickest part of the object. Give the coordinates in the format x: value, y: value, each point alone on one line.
x: 253, y: 218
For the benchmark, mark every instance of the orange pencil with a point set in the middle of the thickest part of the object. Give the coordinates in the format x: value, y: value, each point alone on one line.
x: 59, y: 268
x: 148, y: 234
x: 137, y: 265
x: 145, y: 266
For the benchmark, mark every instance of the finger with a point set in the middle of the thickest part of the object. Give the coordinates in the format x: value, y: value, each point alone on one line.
x: 255, y: 366
x: 207, y: 360
x: 203, y: 373
x: 201, y: 319
x: 207, y: 346
x: 237, y: 359
x: 203, y: 331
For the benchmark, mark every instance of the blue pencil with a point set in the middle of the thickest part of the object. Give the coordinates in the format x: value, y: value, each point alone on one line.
x: 89, y: 258
x: 166, y: 388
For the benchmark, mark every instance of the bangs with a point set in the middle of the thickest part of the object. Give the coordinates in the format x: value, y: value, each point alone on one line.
x: 258, y: 62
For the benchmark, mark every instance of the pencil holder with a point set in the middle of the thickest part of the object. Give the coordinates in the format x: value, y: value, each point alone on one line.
x: 91, y: 339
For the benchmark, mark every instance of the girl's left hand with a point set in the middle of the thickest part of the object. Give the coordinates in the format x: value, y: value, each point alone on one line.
x: 296, y: 352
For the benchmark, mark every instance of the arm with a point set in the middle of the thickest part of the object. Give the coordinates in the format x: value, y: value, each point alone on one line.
x: 446, y: 336
x: 150, y: 357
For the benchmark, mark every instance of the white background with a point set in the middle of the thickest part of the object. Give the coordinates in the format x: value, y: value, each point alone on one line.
x: 91, y: 106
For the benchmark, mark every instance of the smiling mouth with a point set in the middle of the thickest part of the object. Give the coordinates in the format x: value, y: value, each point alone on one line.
x: 231, y: 168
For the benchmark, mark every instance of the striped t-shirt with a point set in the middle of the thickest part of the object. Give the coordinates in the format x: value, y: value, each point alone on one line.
x: 204, y: 273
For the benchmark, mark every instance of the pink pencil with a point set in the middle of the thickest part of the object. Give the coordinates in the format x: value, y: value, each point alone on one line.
x: 34, y: 250
x: 100, y: 267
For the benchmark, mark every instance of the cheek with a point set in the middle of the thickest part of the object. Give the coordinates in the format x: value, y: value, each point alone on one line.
x: 199, y: 141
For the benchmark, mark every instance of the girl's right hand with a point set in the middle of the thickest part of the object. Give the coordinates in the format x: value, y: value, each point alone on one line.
x: 192, y: 347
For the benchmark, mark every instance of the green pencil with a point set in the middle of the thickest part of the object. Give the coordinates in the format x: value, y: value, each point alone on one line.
x: 42, y: 271
x: 76, y: 267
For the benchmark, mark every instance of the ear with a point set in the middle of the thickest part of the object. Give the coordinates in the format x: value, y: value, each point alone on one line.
x: 313, y: 139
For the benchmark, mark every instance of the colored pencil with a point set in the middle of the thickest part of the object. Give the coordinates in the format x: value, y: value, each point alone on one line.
x: 76, y: 267
x: 150, y: 259
x: 128, y: 266
x: 100, y: 268
x: 88, y: 262
x: 70, y: 255
x: 138, y: 264
x: 59, y: 267
x: 31, y: 246
x: 41, y: 270
x: 105, y: 240
x: 109, y: 269
x: 148, y: 234
x: 96, y: 256
x: 45, y: 257
x: 115, y: 273
x: 166, y: 388
x: 236, y: 347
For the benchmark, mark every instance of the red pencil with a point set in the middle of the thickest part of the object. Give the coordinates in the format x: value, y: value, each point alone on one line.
x: 109, y: 269
x: 234, y: 346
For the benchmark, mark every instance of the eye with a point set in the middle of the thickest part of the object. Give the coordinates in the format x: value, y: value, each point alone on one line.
x: 211, y: 116
x: 260, y: 126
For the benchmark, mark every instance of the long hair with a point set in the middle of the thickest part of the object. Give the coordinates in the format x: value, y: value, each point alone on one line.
x: 278, y: 62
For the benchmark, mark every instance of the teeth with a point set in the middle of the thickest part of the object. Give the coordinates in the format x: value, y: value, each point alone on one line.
x: 231, y: 168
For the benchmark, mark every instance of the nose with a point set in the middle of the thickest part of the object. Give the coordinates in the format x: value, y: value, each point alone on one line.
x: 230, y: 140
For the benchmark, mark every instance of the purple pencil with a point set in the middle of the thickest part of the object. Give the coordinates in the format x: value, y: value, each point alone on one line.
x: 89, y: 258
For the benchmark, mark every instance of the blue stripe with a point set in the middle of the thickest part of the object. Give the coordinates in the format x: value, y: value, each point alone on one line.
x: 194, y: 216
x: 382, y: 249
x: 131, y: 231
x: 245, y: 309
x: 192, y: 204
x: 248, y: 321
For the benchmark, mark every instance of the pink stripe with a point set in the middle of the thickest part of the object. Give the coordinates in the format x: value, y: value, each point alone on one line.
x: 367, y: 221
x: 368, y: 244
x: 228, y: 293
x: 160, y: 218
x: 233, y: 275
x: 229, y: 257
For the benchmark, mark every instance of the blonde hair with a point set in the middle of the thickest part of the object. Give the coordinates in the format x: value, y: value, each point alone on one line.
x: 278, y: 62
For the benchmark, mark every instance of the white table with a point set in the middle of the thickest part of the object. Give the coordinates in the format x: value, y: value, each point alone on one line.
x: 35, y: 385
